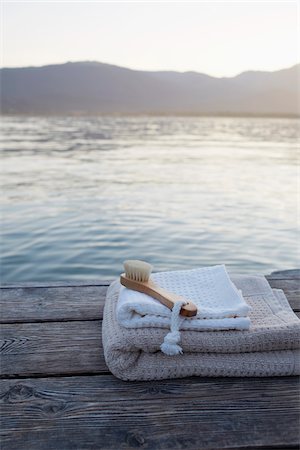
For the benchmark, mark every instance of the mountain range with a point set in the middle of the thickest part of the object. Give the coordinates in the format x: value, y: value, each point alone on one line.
x: 98, y: 88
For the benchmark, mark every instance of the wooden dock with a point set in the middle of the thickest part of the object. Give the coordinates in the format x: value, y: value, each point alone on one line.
x: 57, y: 393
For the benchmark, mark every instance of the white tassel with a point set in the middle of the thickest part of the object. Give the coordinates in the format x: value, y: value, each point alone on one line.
x: 170, y: 345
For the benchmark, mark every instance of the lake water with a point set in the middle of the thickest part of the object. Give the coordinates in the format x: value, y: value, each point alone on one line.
x: 80, y: 195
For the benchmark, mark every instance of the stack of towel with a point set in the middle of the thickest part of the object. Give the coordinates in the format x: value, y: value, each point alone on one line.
x: 243, y: 328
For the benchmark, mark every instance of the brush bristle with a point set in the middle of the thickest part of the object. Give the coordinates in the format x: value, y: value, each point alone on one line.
x: 137, y: 270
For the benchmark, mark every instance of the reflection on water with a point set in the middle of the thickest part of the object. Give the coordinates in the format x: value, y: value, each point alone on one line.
x: 83, y: 194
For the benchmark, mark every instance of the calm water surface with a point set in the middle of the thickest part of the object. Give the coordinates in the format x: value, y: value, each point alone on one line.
x: 80, y: 195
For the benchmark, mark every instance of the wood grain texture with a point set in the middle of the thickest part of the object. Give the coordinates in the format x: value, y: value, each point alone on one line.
x: 35, y: 304
x: 54, y: 329
x: 52, y: 348
x: 286, y: 274
x: 83, y: 302
x: 55, y: 347
x: 291, y: 289
x: 105, y: 413
x: 39, y: 349
x: 55, y: 283
x: 289, y: 282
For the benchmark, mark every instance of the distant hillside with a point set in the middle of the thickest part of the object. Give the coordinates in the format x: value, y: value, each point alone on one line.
x: 96, y: 88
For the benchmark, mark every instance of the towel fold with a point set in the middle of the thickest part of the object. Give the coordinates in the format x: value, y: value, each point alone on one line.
x: 220, y: 305
x: 268, y: 348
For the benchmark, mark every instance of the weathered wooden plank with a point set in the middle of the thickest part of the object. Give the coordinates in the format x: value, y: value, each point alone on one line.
x: 105, y: 413
x: 55, y: 303
x: 288, y: 285
x: 282, y: 274
x: 85, y: 412
x: 65, y: 283
x: 294, y: 300
x: 292, y: 285
x: 34, y: 304
x: 285, y: 274
x: 291, y: 288
x: 52, y: 348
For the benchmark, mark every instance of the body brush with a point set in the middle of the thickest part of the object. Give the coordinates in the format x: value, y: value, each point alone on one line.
x: 137, y: 277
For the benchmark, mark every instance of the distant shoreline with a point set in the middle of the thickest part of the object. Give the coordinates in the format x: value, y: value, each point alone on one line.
x: 156, y: 114
x: 95, y: 89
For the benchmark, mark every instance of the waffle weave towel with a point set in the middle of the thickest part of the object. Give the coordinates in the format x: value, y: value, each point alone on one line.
x: 220, y: 304
x: 268, y: 348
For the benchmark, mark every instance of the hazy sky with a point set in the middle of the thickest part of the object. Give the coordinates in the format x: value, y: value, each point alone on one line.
x: 218, y: 38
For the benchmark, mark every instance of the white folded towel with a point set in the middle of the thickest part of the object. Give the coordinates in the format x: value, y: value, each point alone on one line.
x: 220, y: 305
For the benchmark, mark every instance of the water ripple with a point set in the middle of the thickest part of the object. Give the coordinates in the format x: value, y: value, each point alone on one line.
x: 80, y: 195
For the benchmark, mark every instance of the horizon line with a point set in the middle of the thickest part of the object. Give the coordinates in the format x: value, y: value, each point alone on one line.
x: 144, y: 70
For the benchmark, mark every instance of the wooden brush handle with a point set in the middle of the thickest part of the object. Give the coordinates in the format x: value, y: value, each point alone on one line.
x: 165, y: 297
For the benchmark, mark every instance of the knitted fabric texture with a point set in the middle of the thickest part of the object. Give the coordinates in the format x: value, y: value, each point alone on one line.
x: 170, y: 345
x: 220, y: 305
x: 268, y: 348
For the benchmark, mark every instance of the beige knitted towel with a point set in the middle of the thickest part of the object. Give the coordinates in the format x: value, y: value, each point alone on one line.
x: 269, y: 348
